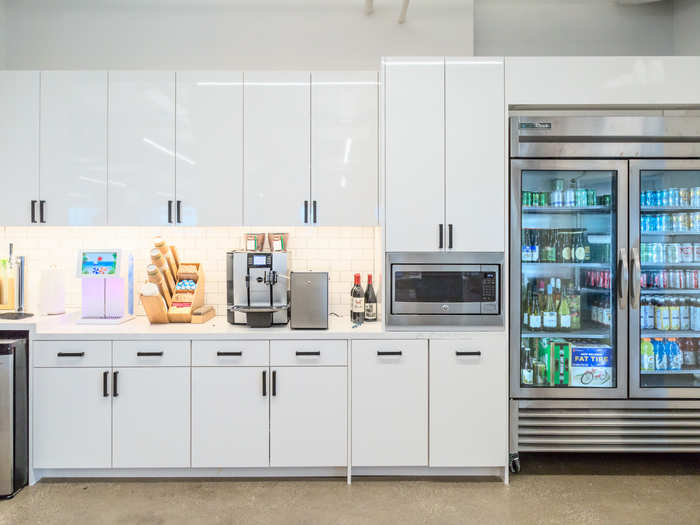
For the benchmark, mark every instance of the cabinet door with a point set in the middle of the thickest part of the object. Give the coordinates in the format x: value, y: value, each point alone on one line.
x: 209, y: 145
x: 389, y: 403
x: 475, y: 154
x: 72, y: 418
x: 230, y: 417
x: 468, y: 402
x: 277, y: 148
x: 415, y: 154
x: 19, y: 147
x: 344, y: 148
x: 74, y: 148
x: 151, y: 417
x: 308, y: 417
x: 141, y: 148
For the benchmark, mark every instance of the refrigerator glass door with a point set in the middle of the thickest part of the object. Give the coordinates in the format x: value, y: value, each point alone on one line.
x: 569, y: 271
x: 665, y: 278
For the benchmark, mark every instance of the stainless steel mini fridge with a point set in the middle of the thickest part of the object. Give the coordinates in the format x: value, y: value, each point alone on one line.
x: 14, y: 445
x: 605, y: 283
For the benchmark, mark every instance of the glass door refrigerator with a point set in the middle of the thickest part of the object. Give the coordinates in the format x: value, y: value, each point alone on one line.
x: 569, y: 279
x: 665, y: 294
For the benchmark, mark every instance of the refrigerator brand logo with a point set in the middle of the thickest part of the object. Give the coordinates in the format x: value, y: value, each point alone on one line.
x: 445, y: 307
x: 535, y: 125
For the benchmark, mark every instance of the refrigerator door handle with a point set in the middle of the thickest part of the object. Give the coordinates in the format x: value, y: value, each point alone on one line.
x: 622, y: 277
x: 636, y: 279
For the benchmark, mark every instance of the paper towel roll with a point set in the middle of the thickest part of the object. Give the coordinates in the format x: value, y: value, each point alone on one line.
x: 53, y: 291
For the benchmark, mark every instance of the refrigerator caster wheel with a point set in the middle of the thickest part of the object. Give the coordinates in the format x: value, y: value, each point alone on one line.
x: 515, y: 463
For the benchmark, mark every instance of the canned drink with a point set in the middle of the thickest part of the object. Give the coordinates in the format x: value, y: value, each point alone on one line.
x: 695, y: 197
x: 675, y: 279
x: 644, y: 279
x: 527, y: 198
x: 655, y: 198
x: 643, y: 253
x: 685, y: 197
x: 673, y: 253
x: 539, y: 370
x: 645, y: 223
x: 664, y: 198
x: 658, y: 254
x: 695, y: 222
x: 591, y: 197
x: 664, y: 223
x: 681, y: 222
x: 581, y: 198
x: 691, y: 279
x: 696, y: 252
x: 686, y: 252
x: 544, y: 199
x: 664, y: 279
x: 674, y: 197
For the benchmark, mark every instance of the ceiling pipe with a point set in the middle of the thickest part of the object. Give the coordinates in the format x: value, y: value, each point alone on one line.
x: 404, y: 9
x: 369, y: 7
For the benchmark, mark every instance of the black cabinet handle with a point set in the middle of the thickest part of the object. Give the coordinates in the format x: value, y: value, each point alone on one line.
x: 306, y: 212
x: 264, y: 383
x: 42, y: 219
x: 104, y: 384
x: 440, y: 234
x: 149, y: 354
x: 459, y: 354
x: 315, y: 217
x: 318, y: 352
x: 449, y: 235
x: 71, y: 354
x: 179, y: 211
x: 229, y: 353
x: 115, y: 392
x: 34, y: 211
x: 274, y: 382
x: 170, y: 211
x: 389, y: 353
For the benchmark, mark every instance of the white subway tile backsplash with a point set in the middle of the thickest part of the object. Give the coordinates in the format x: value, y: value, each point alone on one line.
x: 339, y: 251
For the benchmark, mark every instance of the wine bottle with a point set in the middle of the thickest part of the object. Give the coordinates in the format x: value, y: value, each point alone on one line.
x: 357, y: 298
x: 564, y: 313
x: 526, y: 368
x: 526, y: 306
x: 370, y: 301
x: 535, y: 316
x: 549, y: 315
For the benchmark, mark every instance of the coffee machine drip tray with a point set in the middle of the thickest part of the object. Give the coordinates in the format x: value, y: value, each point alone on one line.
x: 260, y: 317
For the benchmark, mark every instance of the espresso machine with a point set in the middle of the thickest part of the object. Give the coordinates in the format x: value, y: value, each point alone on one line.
x: 257, y: 287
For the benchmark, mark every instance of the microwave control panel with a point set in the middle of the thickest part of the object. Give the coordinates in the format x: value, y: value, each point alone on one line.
x: 488, y: 294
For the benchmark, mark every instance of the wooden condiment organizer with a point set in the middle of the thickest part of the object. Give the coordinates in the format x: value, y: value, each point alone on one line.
x: 10, y: 305
x: 177, y: 315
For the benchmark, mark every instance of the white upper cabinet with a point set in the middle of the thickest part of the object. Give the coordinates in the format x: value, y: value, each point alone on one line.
x: 415, y: 153
x: 209, y: 146
x: 475, y: 154
x: 344, y: 148
x: 19, y: 147
x: 74, y: 148
x: 277, y: 148
x: 141, y: 148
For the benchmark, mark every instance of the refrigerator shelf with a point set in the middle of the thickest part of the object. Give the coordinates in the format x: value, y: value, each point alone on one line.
x: 665, y: 334
x: 656, y: 235
x: 671, y: 291
x: 584, y: 266
x: 670, y: 372
x: 604, y: 291
x: 666, y: 209
x: 566, y: 210
x: 585, y: 333
x: 671, y: 265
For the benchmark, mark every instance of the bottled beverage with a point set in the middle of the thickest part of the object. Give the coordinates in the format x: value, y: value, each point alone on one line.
x: 675, y: 357
x: 684, y: 306
x: 535, y: 316
x: 570, y: 195
x: 535, y: 246
x: 370, y: 301
x: 525, y: 245
x: 357, y: 298
x: 660, y: 356
x: 557, y: 294
x: 579, y: 250
x: 647, y: 355
x: 526, y: 306
x: 662, y: 320
x: 573, y: 297
x: 564, y: 312
x: 674, y: 314
x: 566, y: 248
x: 549, y: 314
x: 526, y: 366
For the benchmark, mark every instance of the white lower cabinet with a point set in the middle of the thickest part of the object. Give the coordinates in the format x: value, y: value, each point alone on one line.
x: 468, y: 411
x: 308, y: 416
x: 151, y: 417
x: 230, y: 417
x: 389, y: 403
x: 72, y: 427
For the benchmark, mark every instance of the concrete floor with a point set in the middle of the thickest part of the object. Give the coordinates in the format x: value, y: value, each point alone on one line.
x: 556, y: 489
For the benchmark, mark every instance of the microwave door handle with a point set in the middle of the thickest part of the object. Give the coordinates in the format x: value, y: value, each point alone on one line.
x: 440, y: 235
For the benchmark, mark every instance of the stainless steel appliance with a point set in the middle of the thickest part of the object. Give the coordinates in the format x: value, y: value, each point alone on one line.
x: 14, y: 402
x: 442, y: 290
x: 309, y: 300
x: 257, y: 288
x: 609, y: 208
x: 18, y: 265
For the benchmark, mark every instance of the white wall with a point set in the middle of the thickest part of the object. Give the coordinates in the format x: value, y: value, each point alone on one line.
x: 686, y: 27
x: 229, y: 34
x: 572, y: 27
x: 3, y: 34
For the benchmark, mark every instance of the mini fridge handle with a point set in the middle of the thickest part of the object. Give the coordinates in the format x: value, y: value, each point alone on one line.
x: 636, y: 279
x: 622, y: 277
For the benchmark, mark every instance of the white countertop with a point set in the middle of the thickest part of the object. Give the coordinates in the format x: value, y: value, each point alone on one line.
x: 62, y: 327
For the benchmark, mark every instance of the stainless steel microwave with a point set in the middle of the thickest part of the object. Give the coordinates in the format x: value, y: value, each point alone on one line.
x: 443, y: 289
